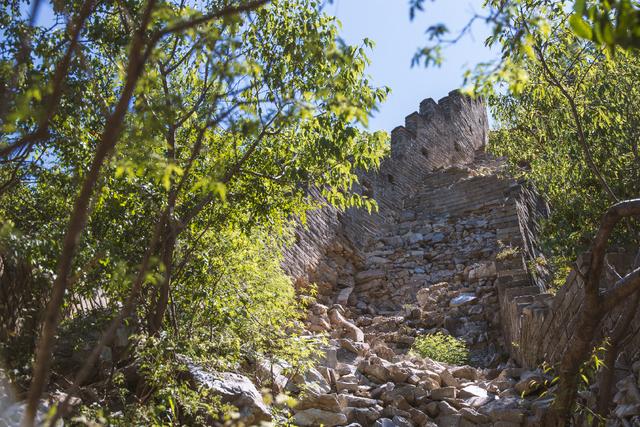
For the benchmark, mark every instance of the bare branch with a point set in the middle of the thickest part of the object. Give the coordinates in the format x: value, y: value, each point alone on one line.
x: 227, y: 11
x: 621, y: 291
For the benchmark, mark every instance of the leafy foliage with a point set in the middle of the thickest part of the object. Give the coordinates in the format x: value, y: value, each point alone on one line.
x: 442, y: 348
x: 610, y: 23
x: 559, y: 121
x: 180, y: 161
x: 613, y: 23
x: 572, y: 133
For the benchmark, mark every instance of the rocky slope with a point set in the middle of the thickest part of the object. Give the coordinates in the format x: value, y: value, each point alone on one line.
x: 434, y: 270
x: 454, y: 250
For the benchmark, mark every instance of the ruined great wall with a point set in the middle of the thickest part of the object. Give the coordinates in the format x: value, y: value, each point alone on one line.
x: 452, y: 248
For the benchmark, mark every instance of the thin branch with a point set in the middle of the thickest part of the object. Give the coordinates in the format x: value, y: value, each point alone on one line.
x: 227, y: 11
x: 552, y: 79
x: 78, y: 219
x: 621, y: 291
x: 125, y: 312
x: 59, y: 78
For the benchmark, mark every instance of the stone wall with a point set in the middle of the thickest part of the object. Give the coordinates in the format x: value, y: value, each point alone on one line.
x: 439, y: 135
x: 440, y: 195
x: 541, y: 324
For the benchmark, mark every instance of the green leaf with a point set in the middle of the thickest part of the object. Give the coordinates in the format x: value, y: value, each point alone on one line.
x: 580, y: 26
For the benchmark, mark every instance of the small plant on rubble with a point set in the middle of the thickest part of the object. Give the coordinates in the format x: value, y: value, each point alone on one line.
x: 441, y: 348
x: 507, y: 252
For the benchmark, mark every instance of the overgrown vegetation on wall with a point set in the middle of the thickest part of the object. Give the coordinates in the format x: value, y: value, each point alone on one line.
x: 155, y: 155
x: 573, y: 134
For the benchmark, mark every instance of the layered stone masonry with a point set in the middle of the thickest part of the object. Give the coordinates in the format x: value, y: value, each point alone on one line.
x: 541, y: 324
x: 452, y: 248
x: 447, y: 212
x: 438, y: 136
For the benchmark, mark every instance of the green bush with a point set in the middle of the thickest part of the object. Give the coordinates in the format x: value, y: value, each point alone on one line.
x: 441, y: 348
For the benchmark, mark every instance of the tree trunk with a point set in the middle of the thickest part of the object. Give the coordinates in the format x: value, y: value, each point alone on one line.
x: 577, y: 352
x: 162, y: 298
x: 594, y: 308
x: 78, y: 220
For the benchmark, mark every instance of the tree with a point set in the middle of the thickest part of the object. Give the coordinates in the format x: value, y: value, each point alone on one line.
x: 572, y: 133
x: 563, y: 94
x: 175, y: 126
x: 610, y: 23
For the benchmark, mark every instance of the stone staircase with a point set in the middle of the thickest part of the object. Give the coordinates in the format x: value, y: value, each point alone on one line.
x: 452, y: 249
x: 439, y: 260
x: 442, y: 254
x: 437, y: 268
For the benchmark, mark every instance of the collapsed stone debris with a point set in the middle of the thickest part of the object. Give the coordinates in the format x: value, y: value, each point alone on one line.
x: 452, y: 249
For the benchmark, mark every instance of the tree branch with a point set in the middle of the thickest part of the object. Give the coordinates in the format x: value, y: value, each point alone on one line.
x: 552, y: 79
x: 58, y: 81
x: 227, y: 11
x: 621, y: 291
x: 78, y: 219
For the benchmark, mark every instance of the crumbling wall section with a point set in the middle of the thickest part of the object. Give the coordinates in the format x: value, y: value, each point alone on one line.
x: 439, y: 135
x: 436, y: 144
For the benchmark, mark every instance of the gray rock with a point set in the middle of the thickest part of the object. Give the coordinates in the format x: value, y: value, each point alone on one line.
x: 507, y: 409
x: 449, y: 420
x: 463, y: 299
x: 445, y: 408
x: 12, y: 414
x: 414, y: 238
x: 326, y: 402
x: 233, y: 389
x: 384, y: 388
x: 359, y: 348
x: 374, y: 369
x: 311, y: 381
x: 350, y: 385
x: 368, y: 275
x: 343, y: 295
x: 437, y: 237
x: 384, y: 422
x: 444, y: 393
x: 474, y: 416
x: 477, y: 402
x: 472, y: 391
x: 329, y: 357
x: 465, y: 372
x: 401, y: 422
x: 357, y: 401
x: 448, y: 379
x: 628, y: 410
x: 316, y: 417
x: 349, y: 330
x: 364, y: 416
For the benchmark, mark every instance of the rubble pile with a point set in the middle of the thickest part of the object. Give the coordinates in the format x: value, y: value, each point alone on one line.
x: 364, y: 382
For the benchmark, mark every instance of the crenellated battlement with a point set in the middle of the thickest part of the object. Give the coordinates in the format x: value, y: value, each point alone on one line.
x: 438, y: 135
x: 452, y: 249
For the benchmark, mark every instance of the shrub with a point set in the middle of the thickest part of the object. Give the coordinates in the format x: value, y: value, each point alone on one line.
x: 507, y: 253
x: 441, y: 348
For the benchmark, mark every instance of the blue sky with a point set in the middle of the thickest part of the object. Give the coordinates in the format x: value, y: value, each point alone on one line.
x: 397, y: 39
